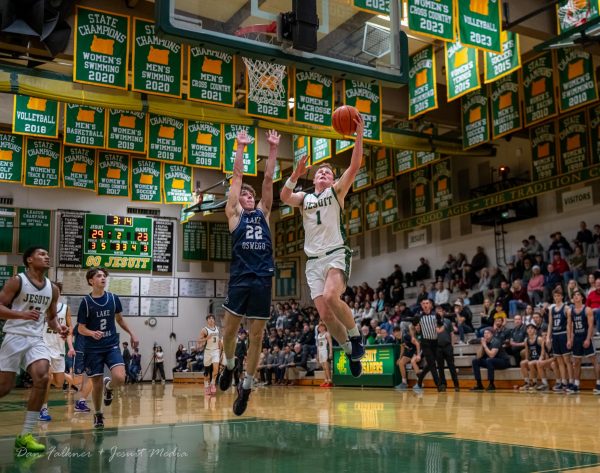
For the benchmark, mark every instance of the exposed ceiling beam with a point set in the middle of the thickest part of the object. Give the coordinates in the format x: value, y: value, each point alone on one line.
x: 342, y: 32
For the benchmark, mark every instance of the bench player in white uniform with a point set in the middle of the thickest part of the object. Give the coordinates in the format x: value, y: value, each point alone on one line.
x: 325, y: 353
x: 210, y: 338
x: 329, y: 257
x: 23, y: 301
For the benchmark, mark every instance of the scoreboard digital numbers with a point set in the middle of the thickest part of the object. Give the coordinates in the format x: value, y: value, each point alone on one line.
x: 119, y: 243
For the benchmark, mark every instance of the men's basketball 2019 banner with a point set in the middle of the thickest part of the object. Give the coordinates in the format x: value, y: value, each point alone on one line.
x: 480, y: 24
x: 33, y: 116
x: 313, y: 98
x: 84, y: 126
x: 544, y: 160
x: 506, y: 105
x: 434, y: 19
x: 576, y: 78
x: 462, y: 70
x: 538, y: 88
x: 166, y: 138
x: 11, y: 158
x: 366, y: 97
x: 204, y: 144
x: 500, y: 65
x: 211, y: 76
x: 573, y: 140
x: 250, y: 151
x: 475, y: 122
x: 422, y: 90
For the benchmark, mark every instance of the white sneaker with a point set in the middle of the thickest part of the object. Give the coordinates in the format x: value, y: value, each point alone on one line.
x: 153, y: 382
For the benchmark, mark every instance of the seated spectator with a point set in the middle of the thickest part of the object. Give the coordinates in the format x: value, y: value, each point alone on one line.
x: 538, y: 260
x: 263, y: 367
x: 492, y: 356
x: 499, y: 329
x: 496, y: 278
x: 593, y: 302
x: 461, y: 260
x: 512, y: 273
x: 285, y: 357
x: 481, y: 289
x: 504, y: 296
x: 519, y: 299
x: 527, y: 271
x: 526, y: 248
x: 500, y: 313
x: 559, y: 245
x: 383, y: 338
x: 182, y: 361
x: 397, y: 274
x: 422, y: 272
x: 297, y: 367
x: 469, y: 278
x: 396, y: 291
x: 572, y: 288
x: 464, y: 322
x: 577, y: 264
x: 369, y: 313
x: 380, y: 302
x: 595, y: 248
x: 487, y: 313
x: 584, y: 238
x: 480, y: 260
x: 367, y: 337
x: 552, y: 279
x: 528, y: 315
x: 516, y: 339
x: 446, y: 268
x: 535, y: 286
x: 535, y: 245
x: 442, y: 295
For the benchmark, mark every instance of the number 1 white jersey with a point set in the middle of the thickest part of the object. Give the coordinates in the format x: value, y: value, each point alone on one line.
x: 323, y: 223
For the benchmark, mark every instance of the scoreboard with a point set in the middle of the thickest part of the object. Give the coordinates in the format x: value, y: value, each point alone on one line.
x: 115, y: 242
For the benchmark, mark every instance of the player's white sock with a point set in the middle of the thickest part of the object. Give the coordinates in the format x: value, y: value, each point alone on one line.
x: 206, y: 384
x: 347, y: 346
x: 353, y: 332
x: 31, y: 418
x: 571, y: 381
x: 404, y: 381
x: 576, y: 382
x: 564, y: 381
x: 526, y: 380
x: 248, y: 381
x: 545, y: 381
x: 45, y: 405
x: 230, y: 364
x: 108, y: 384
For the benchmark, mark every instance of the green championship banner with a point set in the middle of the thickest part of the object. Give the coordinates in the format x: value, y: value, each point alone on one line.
x: 404, y: 161
x: 442, y: 184
x: 79, y: 168
x: 101, y: 49
x: 366, y: 98
x: 11, y: 158
x: 570, y: 14
x: 300, y: 148
x: 379, y: 367
x: 380, y: 7
x: 382, y: 165
x: 320, y: 150
x: 300, y: 233
x: 576, y: 78
x: 372, y: 209
x: 462, y: 70
x: 354, y: 215
x: 250, y: 151
x: 343, y: 145
x: 42, y: 163
x: 286, y: 211
x: 480, y: 24
x: 363, y: 176
x: 211, y: 76
x: 277, y: 171
x: 425, y: 157
x: 544, y: 159
x: 7, y: 225
x: 287, y: 279
x: 538, y: 89
x: 279, y: 239
x: 573, y: 142
x: 291, y: 235
x: 506, y: 105
x: 177, y: 183
x: 389, y: 203
x: 422, y: 88
x: 113, y: 174
x: 420, y: 190
x: 313, y: 102
x: 166, y: 138
x: 475, y: 129
x: 34, y: 229
x: 35, y: 117
x: 259, y: 103
x: 594, y: 127
x: 433, y: 19
x: 204, y: 145
x: 500, y: 65
x: 146, y: 181
x: 127, y: 131
x: 84, y: 126
x: 157, y: 62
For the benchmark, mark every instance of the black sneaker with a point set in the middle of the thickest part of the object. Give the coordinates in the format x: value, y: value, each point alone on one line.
x: 442, y: 388
x: 225, y: 379
x: 358, y: 350
x: 108, y: 394
x: 477, y: 388
x: 490, y: 388
x: 99, y: 421
x: 355, y: 367
x: 241, y: 402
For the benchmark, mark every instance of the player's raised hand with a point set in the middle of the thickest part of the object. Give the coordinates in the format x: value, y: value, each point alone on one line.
x: 31, y: 314
x: 273, y: 138
x: 301, y: 167
x: 243, y: 138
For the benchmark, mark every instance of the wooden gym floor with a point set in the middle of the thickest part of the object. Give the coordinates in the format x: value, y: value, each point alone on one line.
x: 156, y: 428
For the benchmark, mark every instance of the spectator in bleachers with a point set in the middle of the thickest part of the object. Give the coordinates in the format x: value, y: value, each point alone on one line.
x: 396, y: 291
x: 538, y: 260
x: 367, y: 337
x: 461, y: 260
x: 535, y: 245
x: 383, y: 338
x: 527, y: 248
x: 560, y: 244
x: 422, y: 272
x: 527, y: 271
x: 492, y: 356
x: 487, y: 313
x: 552, y: 280
x: 560, y: 264
x: 397, y: 274
x: 518, y: 265
x: 535, y: 286
x: 591, y: 279
x: 504, y: 296
x: 516, y: 340
x: 593, y: 302
x: 380, y: 303
x: 442, y: 295
x: 577, y: 264
x: 572, y: 286
x: 584, y: 237
x: 496, y: 278
x: 512, y: 274
x: 263, y: 367
x: 279, y: 363
x: 519, y: 299
x: 499, y: 327
x: 528, y: 315
x: 469, y: 278
x: 297, y: 365
x: 481, y: 289
x: 595, y: 249
x: 480, y: 260
x: 182, y: 360
x: 464, y: 320
x: 446, y: 269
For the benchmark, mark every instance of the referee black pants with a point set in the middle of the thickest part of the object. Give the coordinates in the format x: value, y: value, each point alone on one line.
x: 429, y: 348
x: 446, y: 353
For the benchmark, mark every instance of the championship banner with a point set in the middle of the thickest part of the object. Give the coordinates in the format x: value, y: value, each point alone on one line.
x: 146, y: 181
x: 462, y: 70
x: 286, y: 211
x: 433, y: 19
x: 166, y: 138
x: 113, y: 174
x: 354, y: 215
x: 379, y: 7
x: 363, y: 176
x: 389, y: 203
x: 300, y: 148
x: 204, y: 144
x: 506, y: 108
x: 442, y: 184
x: 544, y: 159
x: 576, y: 78
x: 261, y: 104
x: 475, y: 128
x: 11, y: 158
x: 320, y: 150
x: 84, y: 126
x: 250, y: 152
x: 343, y: 145
x: 538, y: 88
x: 420, y: 190
x: 573, y: 142
x: 366, y: 97
x: 42, y: 163
x: 211, y: 76
x: 291, y: 235
x: 157, y: 62
x: 79, y: 168
x: 570, y: 14
x: 594, y: 127
x: 279, y: 239
x: 313, y: 102
x: 422, y: 87
x: 382, y: 165
x: 404, y: 161
x: 35, y: 117
x: 500, y: 65
x: 177, y: 183
x: 126, y: 131
x: 277, y: 171
x: 372, y: 212
x: 480, y: 24
x: 425, y: 157
x: 101, y: 49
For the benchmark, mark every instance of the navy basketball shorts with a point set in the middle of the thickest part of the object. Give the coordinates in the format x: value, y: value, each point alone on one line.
x: 78, y: 363
x: 409, y: 353
x: 95, y: 361
x: 578, y: 349
x: 559, y: 344
x: 252, y: 300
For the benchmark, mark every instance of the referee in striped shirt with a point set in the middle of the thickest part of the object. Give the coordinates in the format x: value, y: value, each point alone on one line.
x: 430, y: 326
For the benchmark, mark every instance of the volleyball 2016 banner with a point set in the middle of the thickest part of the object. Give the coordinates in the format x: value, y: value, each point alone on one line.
x: 422, y: 89
x: 11, y: 158
x: 33, y: 116
x: 366, y: 98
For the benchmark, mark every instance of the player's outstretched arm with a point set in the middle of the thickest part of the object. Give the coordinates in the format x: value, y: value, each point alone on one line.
x: 266, y: 200
x: 233, y: 208
x: 288, y: 196
x: 342, y: 186
x: 7, y: 294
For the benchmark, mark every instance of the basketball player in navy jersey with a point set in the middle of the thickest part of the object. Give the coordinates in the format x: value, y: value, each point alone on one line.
x: 251, y: 270
x: 557, y: 334
x: 96, y: 319
x: 23, y: 301
x: 580, y: 324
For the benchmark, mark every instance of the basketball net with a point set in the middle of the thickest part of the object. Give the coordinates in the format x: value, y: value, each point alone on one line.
x: 573, y: 13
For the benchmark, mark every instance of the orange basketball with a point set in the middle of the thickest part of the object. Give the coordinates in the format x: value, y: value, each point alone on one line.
x: 343, y: 120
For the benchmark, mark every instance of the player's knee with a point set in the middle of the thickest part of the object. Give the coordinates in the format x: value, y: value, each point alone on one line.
x: 5, y: 387
x: 331, y: 299
x: 118, y: 379
x: 326, y: 316
x: 41, y: 380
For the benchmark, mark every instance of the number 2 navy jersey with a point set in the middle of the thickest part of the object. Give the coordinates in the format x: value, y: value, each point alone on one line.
x: 580, y: 322
x: 252, y: 249
x: 99, y: 314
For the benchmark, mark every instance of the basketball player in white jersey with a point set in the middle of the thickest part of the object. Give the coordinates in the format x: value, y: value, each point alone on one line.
x: 23, y: 301
x: 56, y: 344
x: 210, y: 339
x: 325, y: 353
x: 329, y: 257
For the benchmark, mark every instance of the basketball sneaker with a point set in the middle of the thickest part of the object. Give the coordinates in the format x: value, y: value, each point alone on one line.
x: 226, y: 378
x: 98, y: 420
x: 558, y: 388
x: 358, y: 350
x: 81, y: 406
x: 108, y: 393
x: 241, y: 402
x: 402, y: 387
x: 570, y: 388
x: 597, y: 389
x: 355, y: 367
x: 27, y: 444
x: 44, y: 415
x: 541, y: 387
